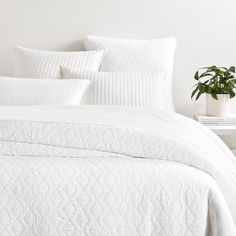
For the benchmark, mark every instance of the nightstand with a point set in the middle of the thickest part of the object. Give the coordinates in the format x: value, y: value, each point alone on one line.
x: 226, y: 132
x: 222, y: 129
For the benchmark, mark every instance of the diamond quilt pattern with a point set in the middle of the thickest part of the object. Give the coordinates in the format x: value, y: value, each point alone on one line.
x: 102, y: 196
x: 73, y: 178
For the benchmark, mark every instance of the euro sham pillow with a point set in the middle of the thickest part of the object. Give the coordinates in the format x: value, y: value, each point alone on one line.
x: 137, y: 55
x: 18, y: 91
x: 140, y: 89
x: 32, y: 63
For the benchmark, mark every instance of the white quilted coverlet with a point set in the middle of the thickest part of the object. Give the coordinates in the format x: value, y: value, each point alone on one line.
x: 112, y: 171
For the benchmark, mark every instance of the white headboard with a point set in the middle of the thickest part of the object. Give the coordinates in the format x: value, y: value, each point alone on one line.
x: 204, y: 31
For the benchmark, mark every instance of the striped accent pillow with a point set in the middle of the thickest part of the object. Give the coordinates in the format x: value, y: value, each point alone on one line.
x: 141, y: 89
x: 31, y: 63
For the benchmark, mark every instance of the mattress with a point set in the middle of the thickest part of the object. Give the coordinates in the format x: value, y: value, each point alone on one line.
x: 103, y: 170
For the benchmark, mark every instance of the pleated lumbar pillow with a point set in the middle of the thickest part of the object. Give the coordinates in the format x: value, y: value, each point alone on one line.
x: 140, y: 89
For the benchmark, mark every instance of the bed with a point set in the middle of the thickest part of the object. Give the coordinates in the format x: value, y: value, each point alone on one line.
x: 106, y: 170
x: 90, y: 145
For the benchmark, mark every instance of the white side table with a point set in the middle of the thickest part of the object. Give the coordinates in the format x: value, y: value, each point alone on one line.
x: 224, y: 131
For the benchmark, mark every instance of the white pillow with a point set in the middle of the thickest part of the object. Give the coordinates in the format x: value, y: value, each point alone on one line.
x: 140, y: 89
x: 15, y: 91
x: 138, y: 55
x: 31, y: 63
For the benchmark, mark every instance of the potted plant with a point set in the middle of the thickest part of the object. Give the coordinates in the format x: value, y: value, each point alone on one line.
x: 218, y: 83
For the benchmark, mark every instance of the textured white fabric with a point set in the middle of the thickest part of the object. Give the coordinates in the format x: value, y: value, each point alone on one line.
x: 107, y: 196
x: 18, y: 91
x: 144, y: 173
x: 138, y: 55
x: 32, y: 63
x: 142, y: 89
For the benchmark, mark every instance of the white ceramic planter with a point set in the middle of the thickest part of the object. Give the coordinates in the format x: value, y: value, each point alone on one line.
x: 220, y: 107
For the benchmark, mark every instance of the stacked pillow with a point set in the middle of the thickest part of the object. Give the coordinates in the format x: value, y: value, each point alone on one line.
x: 132, y: 73
x: 137, y: 56
x: 30, y: 64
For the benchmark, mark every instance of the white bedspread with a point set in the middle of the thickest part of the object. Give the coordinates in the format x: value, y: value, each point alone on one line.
x: 112, y: 171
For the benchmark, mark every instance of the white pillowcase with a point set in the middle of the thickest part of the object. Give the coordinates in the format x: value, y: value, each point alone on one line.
x: 138, y: 55
x: 140, y: 89
x: 31, y: 63
x: 15, y: 91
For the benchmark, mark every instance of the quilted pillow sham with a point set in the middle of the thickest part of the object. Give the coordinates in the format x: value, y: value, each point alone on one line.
x: 140, y: 89
x: 137, y: 55
x: 16, y: 91
x: 32, y: 63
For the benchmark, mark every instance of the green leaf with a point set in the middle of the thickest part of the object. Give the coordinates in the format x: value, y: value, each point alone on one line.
x: 232, y: 94
x: 198, y: 95
x: 196, y: 77
x: 214, y: 96
x: 224, y: 68
x: 194, y: 92
x: 205, y: 74
x: 209, y: 90
x: 232, y: 69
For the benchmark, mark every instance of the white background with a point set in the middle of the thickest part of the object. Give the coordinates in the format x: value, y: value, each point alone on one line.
x: 205, y: 30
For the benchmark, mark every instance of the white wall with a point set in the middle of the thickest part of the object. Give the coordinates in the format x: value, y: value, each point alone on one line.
x: 205, y: 30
